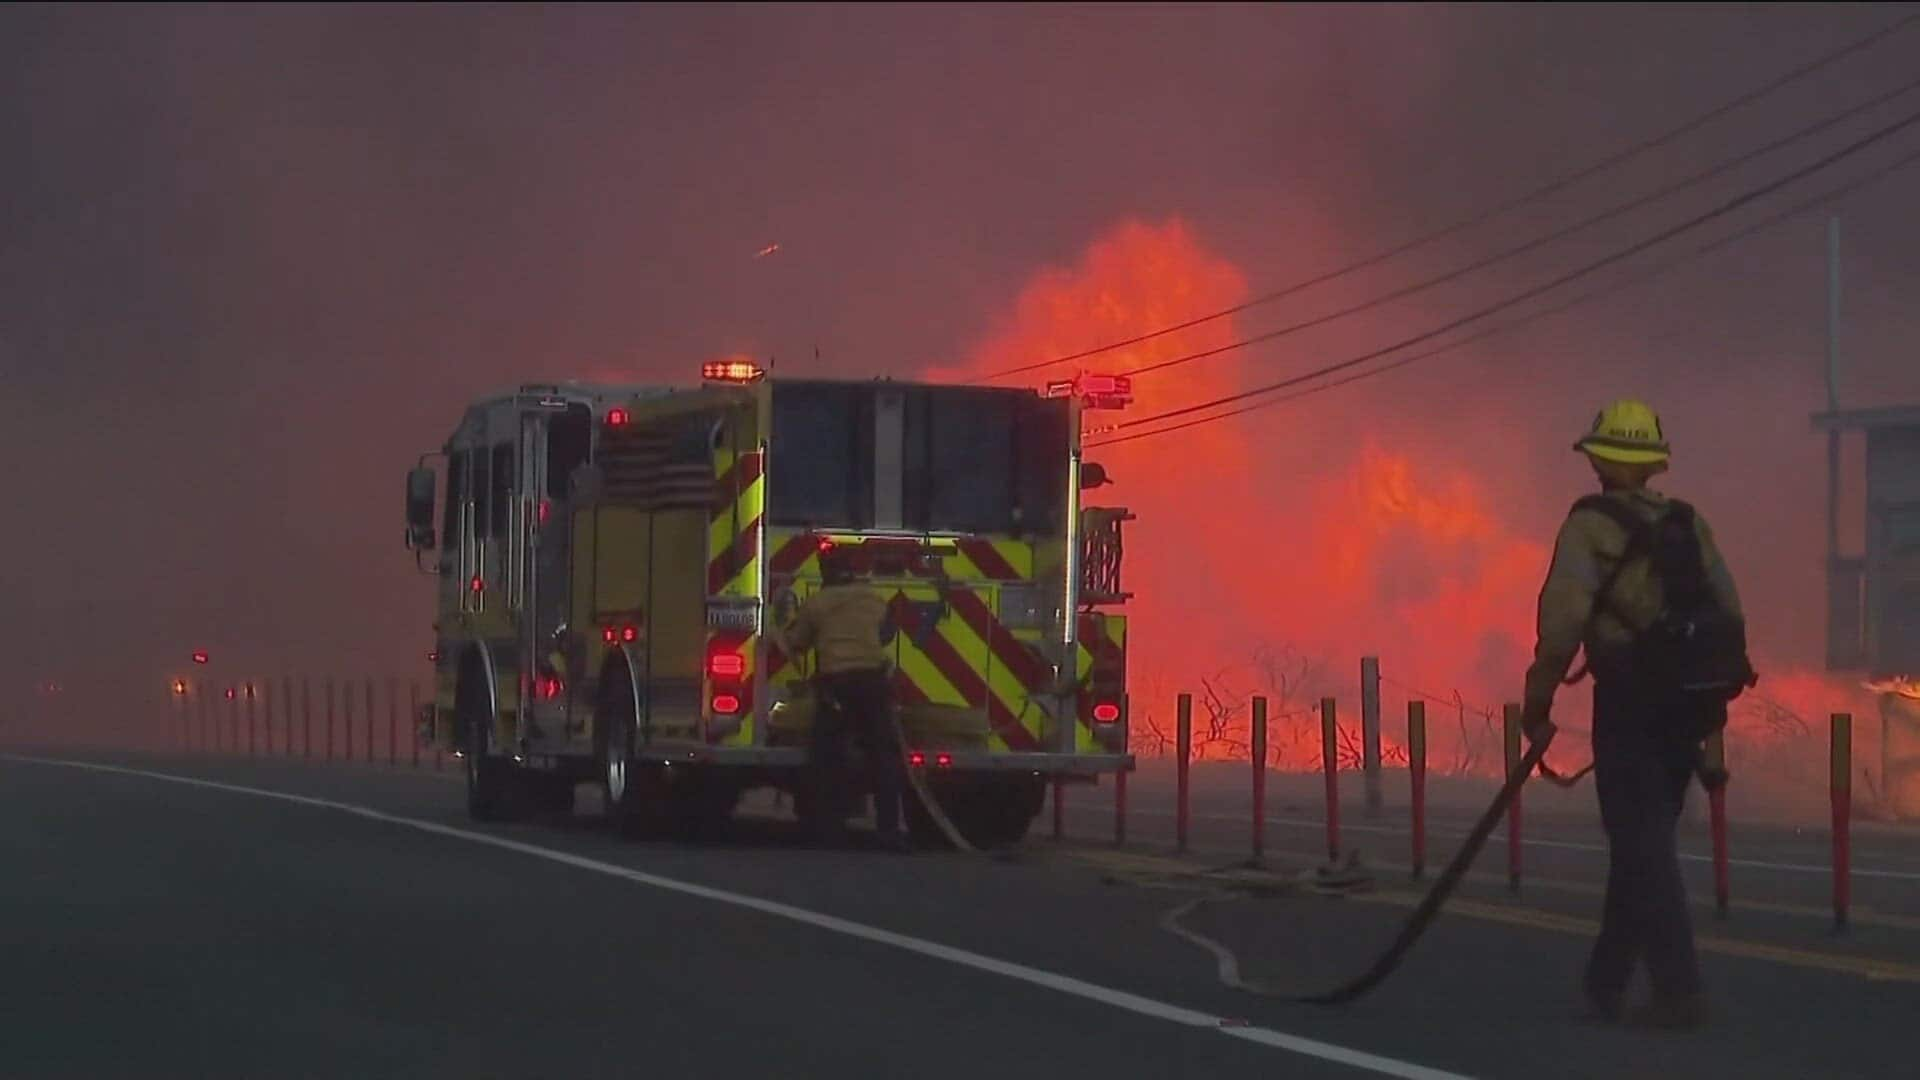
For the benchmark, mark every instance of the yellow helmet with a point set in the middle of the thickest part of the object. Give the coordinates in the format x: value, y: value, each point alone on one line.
x: 1626, y: 431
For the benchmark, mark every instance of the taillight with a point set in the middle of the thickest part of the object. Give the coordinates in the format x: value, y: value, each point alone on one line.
x: 629, y: 634
x: 944, y: 761
x: 617, y: 418
x: 550, y: 688
x: 916, y: 759
x: 609, y: 635
x: 726, y: 665
x: 726, y: 704
x: 1106, y: 712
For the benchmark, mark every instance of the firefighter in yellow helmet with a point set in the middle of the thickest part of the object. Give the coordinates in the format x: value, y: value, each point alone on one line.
x: 1637, y: 581
x: 843, y: 623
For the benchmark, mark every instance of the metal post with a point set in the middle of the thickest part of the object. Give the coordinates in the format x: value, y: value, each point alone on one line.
x: 1511, y: 726
x: 306, y: 718
x: 329, y: 752
x: 346, y: 718
x: 413, y: 718
x: 370, y: 712
x: 251, y: 746
x: 1370, y: 731
x: 1184, y: 748
x: 286, y: 723
x: 1841, y: 753
x: 393, y: 722
x: 1330, y: 765
x: 200, y: 693
x: 233, y: 720
x: 1259, y: 757
x: 1417, y: 773
x: 266, y: 711
x: 1120, y: 808
x: 1716, y: 763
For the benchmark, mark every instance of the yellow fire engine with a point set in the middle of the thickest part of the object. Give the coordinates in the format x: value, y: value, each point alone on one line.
x: 610, y: 559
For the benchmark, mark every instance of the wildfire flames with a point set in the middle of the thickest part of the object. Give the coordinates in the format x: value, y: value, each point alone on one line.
x: 1269, y: 557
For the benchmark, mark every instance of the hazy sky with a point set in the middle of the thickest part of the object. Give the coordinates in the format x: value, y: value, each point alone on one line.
x: 254, y: 260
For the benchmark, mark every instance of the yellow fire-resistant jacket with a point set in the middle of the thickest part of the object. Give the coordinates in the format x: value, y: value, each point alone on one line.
x: 842, y: 624
x: 1589, y: 546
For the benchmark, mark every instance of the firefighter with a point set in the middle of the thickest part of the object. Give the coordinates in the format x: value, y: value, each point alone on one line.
x: 843, y: 623
x: 1601, y: 594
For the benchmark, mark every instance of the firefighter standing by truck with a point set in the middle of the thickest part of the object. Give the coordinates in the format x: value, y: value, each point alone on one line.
x: 843, y: 623
x: 1637, y: 580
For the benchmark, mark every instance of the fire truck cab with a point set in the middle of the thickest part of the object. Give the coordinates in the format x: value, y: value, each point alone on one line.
x: 614, y: 564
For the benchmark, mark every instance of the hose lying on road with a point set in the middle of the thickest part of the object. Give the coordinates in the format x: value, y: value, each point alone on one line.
x: 1336, y: 880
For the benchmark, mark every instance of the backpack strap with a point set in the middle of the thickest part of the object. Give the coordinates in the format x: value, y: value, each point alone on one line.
x: 1639, y: 535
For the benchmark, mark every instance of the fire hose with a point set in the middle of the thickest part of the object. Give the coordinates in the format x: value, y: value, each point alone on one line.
x: 1410, y: 932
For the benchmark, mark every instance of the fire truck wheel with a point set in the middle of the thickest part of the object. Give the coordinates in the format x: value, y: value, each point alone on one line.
x: 702, y: 805
x: 989, y: 812
x: 635, y: 793
x: 490, y: 794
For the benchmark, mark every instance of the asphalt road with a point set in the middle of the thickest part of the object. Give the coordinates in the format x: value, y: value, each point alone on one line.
x: 151, y: 927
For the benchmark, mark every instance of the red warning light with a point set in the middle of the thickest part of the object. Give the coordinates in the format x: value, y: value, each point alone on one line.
x: 230, y: 693
x: 726, y: 665
x: 433, y: 657
x: 733, y: 371
x: 609, y: 635
x: 916, y: 759
x: 825, y: 545
x: 726, y: 704
x: 551, y: 688
x: 617, y: 417
x: 1106, y: 712
x: 629, y: 634
x: 944, y: 761
x: 476, y: 584
x: 199, y: 656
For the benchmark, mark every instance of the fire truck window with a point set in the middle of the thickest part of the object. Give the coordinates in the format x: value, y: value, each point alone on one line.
x: 1040, y: 453
x: 456, y: 493
x: 966, y: 482
x: 822, y: 456
x: 502, y: 485
x: 569, y: 439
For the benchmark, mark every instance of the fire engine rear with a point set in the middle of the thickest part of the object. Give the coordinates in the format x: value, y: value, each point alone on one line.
x: 614, y: 562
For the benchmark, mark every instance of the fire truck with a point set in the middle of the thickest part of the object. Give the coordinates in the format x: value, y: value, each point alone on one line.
x: 614, y: 563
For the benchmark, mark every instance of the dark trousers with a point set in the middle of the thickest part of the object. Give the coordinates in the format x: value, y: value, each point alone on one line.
x: 860, y: 703
x: 1641, y: 773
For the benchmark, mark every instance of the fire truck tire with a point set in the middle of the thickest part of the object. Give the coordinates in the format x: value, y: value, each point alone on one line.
x: 636, y: 793
x: 490, y: 781
x: 702, y: 805
x: 990, y: 813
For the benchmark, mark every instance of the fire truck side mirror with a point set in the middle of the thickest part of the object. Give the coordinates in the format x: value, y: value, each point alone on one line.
x: 420, y: 489
x: 1093, y: 475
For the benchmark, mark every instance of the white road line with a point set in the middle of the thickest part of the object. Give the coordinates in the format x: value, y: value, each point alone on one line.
x: 1065, y: 984
x: 1562, y: 845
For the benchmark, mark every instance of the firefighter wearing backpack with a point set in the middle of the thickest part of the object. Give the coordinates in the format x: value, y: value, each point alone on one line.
x: 1637, y: 581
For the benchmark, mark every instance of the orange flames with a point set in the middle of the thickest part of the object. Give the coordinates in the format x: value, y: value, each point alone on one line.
x: 1263, y: 560
x: 1273, y: 552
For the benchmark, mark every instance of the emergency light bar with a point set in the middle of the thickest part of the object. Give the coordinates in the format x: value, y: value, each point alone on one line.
x: 732, y: 371
x: 1096, y: 391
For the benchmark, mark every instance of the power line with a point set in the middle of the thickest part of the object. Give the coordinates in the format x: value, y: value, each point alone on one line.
x: 1541, y: 241
x: 1550, y: 188
x: 1694, y: 222
x: 1515, y: 324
